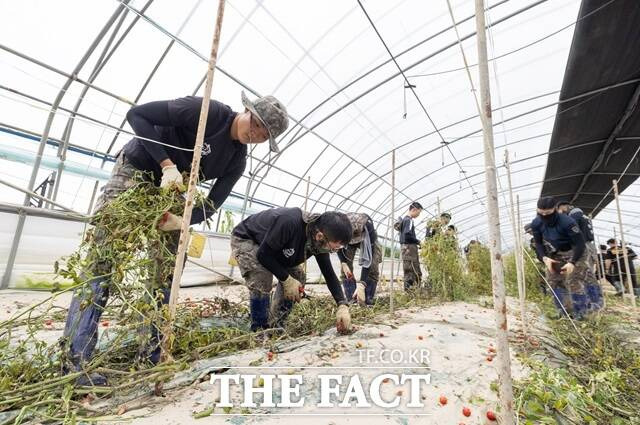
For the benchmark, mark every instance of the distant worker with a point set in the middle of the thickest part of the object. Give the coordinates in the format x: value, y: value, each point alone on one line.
x: 617, y: 271
x: 409, y: 244
x: 567, y: 268
x: 591, y: 284
x: 365, y: 239
x: 437, y: 226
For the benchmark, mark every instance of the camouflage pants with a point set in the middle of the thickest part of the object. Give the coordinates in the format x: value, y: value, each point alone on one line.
x: 258, y: 279
x: 574, y: 283
x: 411, y: 266
x: 374, y: 269
x: 87, y: 306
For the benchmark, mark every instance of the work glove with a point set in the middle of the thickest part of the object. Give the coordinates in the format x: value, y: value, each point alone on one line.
x: 291, y: 288
x: 343, y: 319
x: 171, y: 176
x: 548, y: 262
x: 169, y: 222
x: 359, y: 295
x: 567, y: 268
x: 346, y: 270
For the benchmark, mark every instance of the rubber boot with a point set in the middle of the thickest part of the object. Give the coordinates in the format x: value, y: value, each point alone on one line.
x: 594, y: 293
x: 349, y: 286
x: 580, y: 305
x: 370, y: 292
x: 561, y: 298
x: 259, y: 310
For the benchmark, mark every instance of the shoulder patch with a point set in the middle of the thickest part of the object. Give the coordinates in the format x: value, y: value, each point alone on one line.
x: 575, y: 229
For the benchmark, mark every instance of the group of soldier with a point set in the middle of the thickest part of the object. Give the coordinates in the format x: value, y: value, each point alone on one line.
x: 564, y: 243
x: 278, y: 241
x: 275, y: 242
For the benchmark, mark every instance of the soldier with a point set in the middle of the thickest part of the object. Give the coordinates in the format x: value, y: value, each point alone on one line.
x: 162, y: 151
x: 614, y: 258
x: 437, y: 225
x: 566, y: 269
x: 276, y: 242
x: 364, y: 237
x: 409, y: 244
x: 591, y: 284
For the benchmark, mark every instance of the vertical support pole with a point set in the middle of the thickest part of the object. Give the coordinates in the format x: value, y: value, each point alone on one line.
x: 497, y: 272
x: 393, y: 209
x: 220, y: 211
x: 306, y: 194
x: 517, y: 248
x: 384, y: 247
x: 600, y: 259
x: 615, y: 237
x: 43, y: 142
x: 624, y: 246
x: 438, y: 206
x: 521, y: 249
x: 193, y: 177
x: 306, y: 200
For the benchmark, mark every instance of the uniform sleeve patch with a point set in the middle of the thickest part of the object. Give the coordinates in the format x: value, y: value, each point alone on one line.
x: 575, y: 229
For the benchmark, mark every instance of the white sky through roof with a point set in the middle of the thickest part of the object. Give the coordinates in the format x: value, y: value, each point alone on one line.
x: 326, y: 63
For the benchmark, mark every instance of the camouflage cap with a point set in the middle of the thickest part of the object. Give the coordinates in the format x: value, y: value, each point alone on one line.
x: 271, y: 113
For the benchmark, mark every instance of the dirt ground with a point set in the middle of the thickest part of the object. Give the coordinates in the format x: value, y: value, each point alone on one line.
x: 457, y: 338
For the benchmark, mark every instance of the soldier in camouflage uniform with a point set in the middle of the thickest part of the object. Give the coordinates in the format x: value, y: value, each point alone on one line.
x: 591, y: 284
x: 364, y: 238
x: 276, y: 242
x: 174, y: 125
x: 567, y: 268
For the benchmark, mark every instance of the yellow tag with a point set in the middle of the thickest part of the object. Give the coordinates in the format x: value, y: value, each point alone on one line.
x: 232, y: 260
x: 196, y: 245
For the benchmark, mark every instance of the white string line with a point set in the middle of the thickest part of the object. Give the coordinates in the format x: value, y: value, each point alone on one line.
x: 477, y: 103
x: 619, y: 178
x: 66, y: 91
x: 114, y: 129
x: 93, y: 154
x: 99, y: 125
x: 524, y: 46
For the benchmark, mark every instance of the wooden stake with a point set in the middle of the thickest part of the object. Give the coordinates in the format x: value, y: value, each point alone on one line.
x: 521, y: 249
x: 517, y: 248
x: 193, y: 180
x: 306, y: 199
x: 393, y: 208
x: 624, y: 246
x: 497, y: 271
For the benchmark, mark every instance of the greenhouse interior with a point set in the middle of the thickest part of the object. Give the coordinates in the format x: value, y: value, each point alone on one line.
x: 462, y: 171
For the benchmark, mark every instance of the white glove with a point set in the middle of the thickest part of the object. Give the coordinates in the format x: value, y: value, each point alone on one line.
x: 346, y: 270
x: 359, y: 295
x: 548, y: 262
x: 291, y: 288
x: 171, y: 176
x: 343, y: 319
x: 170, y: 222
x: 567, y: 268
